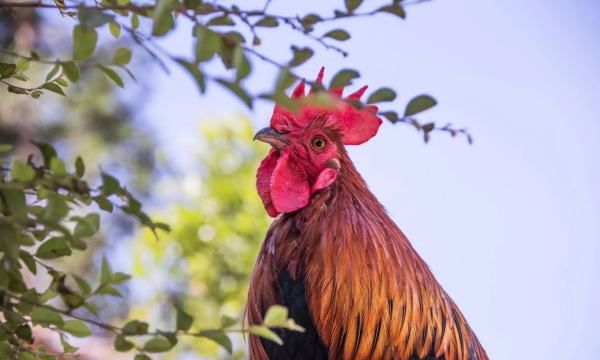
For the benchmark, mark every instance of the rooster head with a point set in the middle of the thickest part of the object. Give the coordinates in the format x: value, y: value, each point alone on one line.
x: 307, y: 144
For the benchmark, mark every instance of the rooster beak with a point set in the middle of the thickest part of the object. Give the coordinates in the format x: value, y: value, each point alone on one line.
x: 272, y: 137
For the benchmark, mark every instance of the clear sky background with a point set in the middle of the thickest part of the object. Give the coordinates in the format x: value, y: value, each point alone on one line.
x: 510, y: 225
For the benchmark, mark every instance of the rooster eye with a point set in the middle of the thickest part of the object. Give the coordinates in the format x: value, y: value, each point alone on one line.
x: 318, y: 143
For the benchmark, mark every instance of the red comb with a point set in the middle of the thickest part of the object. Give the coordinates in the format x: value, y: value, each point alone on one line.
x: 356, y: 125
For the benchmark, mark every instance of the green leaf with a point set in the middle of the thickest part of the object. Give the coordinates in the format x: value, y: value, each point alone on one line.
x: 21, y: 171
x: 56, y: 208
x: 276, y: 315
x: 392, y: 116
x: 22, y: 65
x: 240, y: 61
x: 311, y: 19
x: 26, y: 240
x: 110, y: 185
x: 227, y: 321
x: 290, y: 324
x: 237, y: 90
x: 195, y: 72
x: 105, y: 272
x: 122, y: 56
x: 73, y: 301
x: 54, y: 88
x: 21, y: 77
x: 103, y: 203
x: 28, y: 260
x: 53, y: 248
x: 91, y: 307
x: 157, y: 345
x: 343, y: 78
x: 338, y: 34
x: 122, y: 344
x: 394, y: 9
x: 135, y: 327
x: 15, y: 201
x: 83, y: 285
x: 267, y: 21
x: 47, y: 150
x: 208, y: 43
x: 161, y: 226
x: 87, y: 226
x: 53, y: 72
x: 7, y: 70
x: 219, y: 337
x: 119, y: 277
x: 16, y: 90
x: 108, y: 290
x: 419, y: 104
x: 36, y: 94
x: 223, y: 20
x: 301, y: 55
x: 79, y: 167
x: 71, y: 69
x: 265, y: 333
x: 163, y: 18
x: 24, y: 333
x: 184, y: 320
x: 352, y: 5
x: 61, y: 81
x: 57, y: 166
x: 67, y: 348
x: 381, y: 95
x: 84, y: 42
x: 135, y: 21
x: 77, y: 328
x: 112, y: 75
x: 115, y: 29
x: 142, y: 357
x: 42, y: 315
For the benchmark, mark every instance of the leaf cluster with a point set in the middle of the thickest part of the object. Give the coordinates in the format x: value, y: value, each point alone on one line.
x: 47, y: 212
x: 45, y: 215
x: 227, y: 32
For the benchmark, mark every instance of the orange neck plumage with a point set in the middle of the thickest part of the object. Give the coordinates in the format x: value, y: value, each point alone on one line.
x: 370, y: 295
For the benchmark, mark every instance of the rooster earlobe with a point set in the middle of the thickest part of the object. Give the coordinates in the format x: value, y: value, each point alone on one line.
x: 325, y: 178
x: 290, y: 190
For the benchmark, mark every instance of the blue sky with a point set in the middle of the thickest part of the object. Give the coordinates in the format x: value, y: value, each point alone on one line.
x: 510, y: 225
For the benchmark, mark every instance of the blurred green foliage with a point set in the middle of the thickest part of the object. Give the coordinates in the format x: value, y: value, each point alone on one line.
x: 204, y: 263
x: 231, y: 33
x: 46, y: 214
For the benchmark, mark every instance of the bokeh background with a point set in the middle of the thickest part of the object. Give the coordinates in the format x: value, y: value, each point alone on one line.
x: 510, y: 225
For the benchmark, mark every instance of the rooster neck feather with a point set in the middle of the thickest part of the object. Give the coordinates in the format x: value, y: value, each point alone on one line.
x: 369, y: 293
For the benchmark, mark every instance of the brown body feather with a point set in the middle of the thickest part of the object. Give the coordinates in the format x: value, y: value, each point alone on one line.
x: 369, y: 293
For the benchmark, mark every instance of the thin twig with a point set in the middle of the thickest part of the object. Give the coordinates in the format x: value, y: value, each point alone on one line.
x: 30, y: 58
x: 139, y: 39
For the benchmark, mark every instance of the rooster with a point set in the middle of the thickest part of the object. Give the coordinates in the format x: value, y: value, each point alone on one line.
x: 334, y: 257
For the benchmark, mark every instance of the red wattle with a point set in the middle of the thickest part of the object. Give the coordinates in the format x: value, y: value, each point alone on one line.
x: 263, y: 181
x: 290, y: 190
